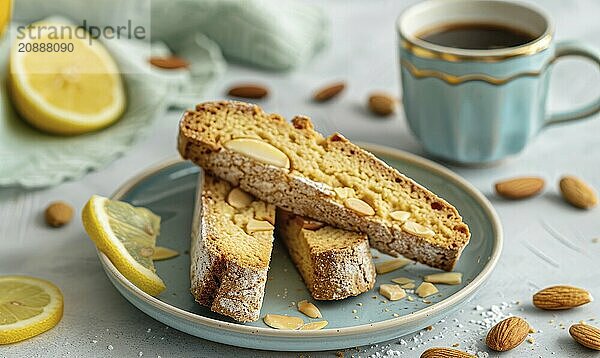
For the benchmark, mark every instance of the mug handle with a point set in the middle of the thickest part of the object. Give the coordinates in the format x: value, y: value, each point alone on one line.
x: 576, y: 48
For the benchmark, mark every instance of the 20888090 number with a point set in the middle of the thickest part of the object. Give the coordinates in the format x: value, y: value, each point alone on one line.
x: 45, y: 47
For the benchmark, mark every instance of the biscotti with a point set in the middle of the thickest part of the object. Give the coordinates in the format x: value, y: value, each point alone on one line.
x: 232, y: 240
x: 333, y: 263
x: 330, y: 179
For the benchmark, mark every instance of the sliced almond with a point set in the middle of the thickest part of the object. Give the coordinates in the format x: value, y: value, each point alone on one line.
x: 169, y: 62
x: 413, y: 228
x: 445, y: 353
x: 163, y: 253
x: 392, y: 292
x: 264, y: 211
x: 239, y: 199
x: 314, y: 326
x: 578, y: 193
x: 426, y: 289
x: 382, y: 104
x: 408, y: 286
x: 402, y: 280
x: 283, y: 322
x: 586, y: 335
x: 309, y: 309
x: 360, y: 207
x: 259, y: 150
x: 447, y: 278
x: 561, y: 297
x: 507, y: 334
x: 146, y: 251
x: 329, y: 91
x: 400, y: 215
x: 258, y: 225
x: 312, y: 224
x: 343, y: 193
x: 391, y: 265
x: 519, y: 188
x: 249, y: 90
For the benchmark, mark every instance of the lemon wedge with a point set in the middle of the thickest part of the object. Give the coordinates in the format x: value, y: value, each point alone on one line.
x: 64, y: 92
x: 127, y: 235
x: 28, y: 307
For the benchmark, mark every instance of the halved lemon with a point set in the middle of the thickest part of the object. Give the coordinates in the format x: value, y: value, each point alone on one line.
x: 62, y: 81
x: 28, y: 306
x: 127, y: 235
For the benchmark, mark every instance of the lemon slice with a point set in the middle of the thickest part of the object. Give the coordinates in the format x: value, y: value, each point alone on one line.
x: 28, y: 306
x: 64, y: 92
x: 127, y: 235
x: 5, y: 12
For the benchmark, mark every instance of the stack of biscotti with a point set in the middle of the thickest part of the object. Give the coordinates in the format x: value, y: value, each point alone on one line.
x: 333, y: 263
x: 328, y: 179
x: 232, y: 239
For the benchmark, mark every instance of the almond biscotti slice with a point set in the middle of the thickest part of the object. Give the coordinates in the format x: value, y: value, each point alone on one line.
x: 232, y: 239
x: 333, y: 263
x: 329, y: 179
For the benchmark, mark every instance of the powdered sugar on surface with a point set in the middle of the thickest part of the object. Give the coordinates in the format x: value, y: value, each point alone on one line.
x: 468, y: 335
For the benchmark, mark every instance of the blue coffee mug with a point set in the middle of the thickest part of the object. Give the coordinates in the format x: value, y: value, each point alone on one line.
x: 480, y: 106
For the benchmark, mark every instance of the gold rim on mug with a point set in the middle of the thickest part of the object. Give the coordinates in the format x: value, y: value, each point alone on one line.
x: 531, y: 48
x: 424, y: 49
x: 448, y: 302
x: 456, y: 80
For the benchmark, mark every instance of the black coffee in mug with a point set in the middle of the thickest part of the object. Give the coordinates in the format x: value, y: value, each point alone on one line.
x: 476, y: 36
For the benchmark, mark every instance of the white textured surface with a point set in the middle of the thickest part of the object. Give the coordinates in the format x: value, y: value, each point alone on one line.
x: 546, y: 241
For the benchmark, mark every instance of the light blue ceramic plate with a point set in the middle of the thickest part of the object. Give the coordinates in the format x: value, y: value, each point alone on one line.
x: 169, y: 189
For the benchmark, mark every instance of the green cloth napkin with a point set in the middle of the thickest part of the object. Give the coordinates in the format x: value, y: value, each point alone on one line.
x: 274, y: 34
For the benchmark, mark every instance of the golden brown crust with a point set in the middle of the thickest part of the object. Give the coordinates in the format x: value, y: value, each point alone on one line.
x: 228, y: 266
x: 320, y: 166
x: 333, y: 263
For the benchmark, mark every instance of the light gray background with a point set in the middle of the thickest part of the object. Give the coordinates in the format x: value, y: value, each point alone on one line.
x: 546, y: 241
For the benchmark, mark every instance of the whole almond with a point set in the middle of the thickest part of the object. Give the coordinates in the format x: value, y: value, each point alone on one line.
x: 586, y: 335
x: 58, y: 214
x: 507, y: 334
x: 577, y: 192
x: 169, y: 62
x: 520, y: 188
x: 561, y: 297
x: 328, y: 92
x: 249, y: 90
x: 382, y: 104
x: 445, y: 353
